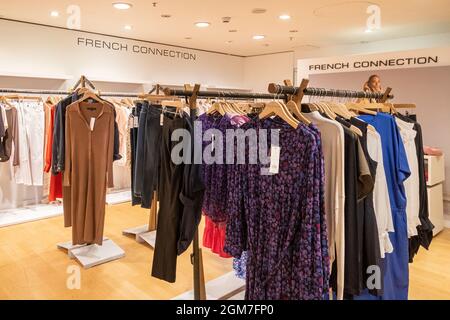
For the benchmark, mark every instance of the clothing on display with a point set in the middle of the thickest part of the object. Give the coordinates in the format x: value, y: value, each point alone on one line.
x: 89, y: 136
x: 334, y: 194
x: 179, y: 186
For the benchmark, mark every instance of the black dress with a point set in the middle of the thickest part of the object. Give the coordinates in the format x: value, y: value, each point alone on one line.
x: 371, y: 247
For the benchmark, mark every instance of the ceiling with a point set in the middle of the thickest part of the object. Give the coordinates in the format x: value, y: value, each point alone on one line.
x: 319, y: 23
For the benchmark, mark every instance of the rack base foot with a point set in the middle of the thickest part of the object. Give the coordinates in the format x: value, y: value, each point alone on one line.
x: 147, y: 237
x: 225, y: 287
x: 93, y: 255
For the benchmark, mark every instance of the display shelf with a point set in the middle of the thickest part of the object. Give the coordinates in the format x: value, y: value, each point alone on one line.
x: 12, y: 217
x: 118, y: 197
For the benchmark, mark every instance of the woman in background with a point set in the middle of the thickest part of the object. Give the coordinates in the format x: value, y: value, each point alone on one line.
x: 373, y: 85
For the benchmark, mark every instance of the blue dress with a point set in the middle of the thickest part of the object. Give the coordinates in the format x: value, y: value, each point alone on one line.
x: 395, y: 265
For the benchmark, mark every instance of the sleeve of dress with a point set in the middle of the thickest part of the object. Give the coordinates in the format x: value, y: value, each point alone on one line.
x: 116, y: 141
x: 111, y: 149
x: 402, y: 166
x: 68, y: 152
x: 48, y: 146
x: 366, y: 182
x: 15, y: 137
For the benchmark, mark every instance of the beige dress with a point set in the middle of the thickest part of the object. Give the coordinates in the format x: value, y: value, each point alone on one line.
x: 89, y: 169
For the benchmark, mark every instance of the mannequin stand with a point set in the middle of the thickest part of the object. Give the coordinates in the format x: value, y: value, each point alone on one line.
x: 146, y: 233
x: 93, y: 255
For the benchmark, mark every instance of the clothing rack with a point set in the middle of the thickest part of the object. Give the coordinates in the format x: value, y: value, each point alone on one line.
x: 221, y: 94
x: 297, y: 93
x: 192, y: 95
x: 65, y: 93
x: 276, y: 91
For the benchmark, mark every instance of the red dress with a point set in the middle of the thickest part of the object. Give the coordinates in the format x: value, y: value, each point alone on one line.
x: 214, y: 237
x: 55, y: 191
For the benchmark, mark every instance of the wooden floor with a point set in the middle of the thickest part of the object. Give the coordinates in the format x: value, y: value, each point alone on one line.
x: 32, y: 268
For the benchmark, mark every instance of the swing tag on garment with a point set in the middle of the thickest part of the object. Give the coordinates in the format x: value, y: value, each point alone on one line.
x: 136, y: 122
x: 92, y: 123
x: 275, y: 152
x: 161, y: 121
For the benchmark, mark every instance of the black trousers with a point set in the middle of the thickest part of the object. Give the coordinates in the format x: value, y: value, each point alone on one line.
x: 171, y: 207
x: 135, y: 200
x: 148, y: 154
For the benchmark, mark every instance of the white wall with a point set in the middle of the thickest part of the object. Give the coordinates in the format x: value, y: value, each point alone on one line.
x: 400, y: 44
x: 259, y: 71
x: 425, y: 87
x: 31, y: 49
x: 38, y: 57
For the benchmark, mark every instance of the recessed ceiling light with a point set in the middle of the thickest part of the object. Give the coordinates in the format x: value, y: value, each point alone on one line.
x: 166, y: 16
x: 128, y: 27
x: 368, y: 30
x: 285, y: 17
x: 122, y: 5
x: 232, y: 30
x: 258, y: 37
x: 202, y: 24
x: 54, y: 14
x: 259, y: 11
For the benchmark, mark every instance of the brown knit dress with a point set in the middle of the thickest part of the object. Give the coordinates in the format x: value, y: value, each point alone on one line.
x: 89, y: 169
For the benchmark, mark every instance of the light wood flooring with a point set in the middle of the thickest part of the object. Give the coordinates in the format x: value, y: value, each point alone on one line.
x: 32, y: 268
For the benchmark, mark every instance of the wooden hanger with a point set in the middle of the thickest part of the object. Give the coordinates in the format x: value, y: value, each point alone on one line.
x: 360, y: 108
x: 312, y: 107
x: 216, y: 108
x: 274, y: 108
x: 173, y: 103
x: 5, y: 101
x: 295, y: 110
x: 90, y: 95
x: 327, y: 110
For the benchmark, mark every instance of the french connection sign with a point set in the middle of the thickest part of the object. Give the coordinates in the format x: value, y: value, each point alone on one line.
x: 383, y: 61
x: 118, y: 46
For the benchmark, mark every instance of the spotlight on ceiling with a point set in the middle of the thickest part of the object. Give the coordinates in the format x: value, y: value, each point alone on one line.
x: 285, y: 17
x: 122, y: 5
x: 54, y: 14
x: 258, y: 37
x: 202, y: 24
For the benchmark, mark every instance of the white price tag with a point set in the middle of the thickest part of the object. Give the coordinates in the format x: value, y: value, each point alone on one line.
x: 161, y: 122
x: 136, y: 122
x: 275, y: 152
x: 92, y: 123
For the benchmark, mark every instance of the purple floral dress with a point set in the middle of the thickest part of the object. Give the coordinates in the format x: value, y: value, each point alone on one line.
x: 280, y: 220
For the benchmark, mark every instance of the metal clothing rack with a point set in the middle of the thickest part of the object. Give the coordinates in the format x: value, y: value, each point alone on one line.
x: 65, y: 93
x: 276, y: 91
x: 297, y: 93
x: 191, y: 95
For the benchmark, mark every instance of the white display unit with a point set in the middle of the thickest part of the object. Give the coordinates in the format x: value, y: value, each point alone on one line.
x: 435, y: 168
